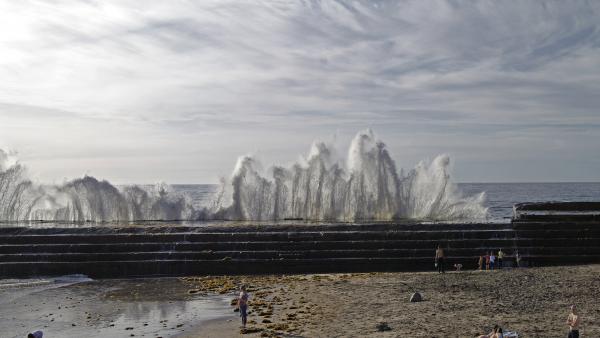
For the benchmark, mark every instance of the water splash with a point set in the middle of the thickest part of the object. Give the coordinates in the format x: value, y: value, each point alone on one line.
x: 83, y: 200
x: 369, y: 187
x: 318, y: 187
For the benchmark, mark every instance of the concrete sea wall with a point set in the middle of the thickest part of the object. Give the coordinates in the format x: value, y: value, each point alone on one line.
x: 134, y: 251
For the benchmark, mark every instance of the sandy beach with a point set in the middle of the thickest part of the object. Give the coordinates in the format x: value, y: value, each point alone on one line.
x: 533, y: 302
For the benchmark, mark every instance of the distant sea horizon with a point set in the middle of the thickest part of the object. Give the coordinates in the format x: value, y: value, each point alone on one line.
x: 500, y: 197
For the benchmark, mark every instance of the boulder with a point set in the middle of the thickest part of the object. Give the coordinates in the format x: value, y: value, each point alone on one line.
x: 416, y: 297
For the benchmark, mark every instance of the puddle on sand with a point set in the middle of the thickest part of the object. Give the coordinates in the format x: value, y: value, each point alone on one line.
x: 104, y: 308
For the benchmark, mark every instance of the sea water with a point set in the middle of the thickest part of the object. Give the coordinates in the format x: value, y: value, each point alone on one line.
x: 500, y: 197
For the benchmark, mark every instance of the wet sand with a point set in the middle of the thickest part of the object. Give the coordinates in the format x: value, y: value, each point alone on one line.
x: 533, y: 302
x: 105, y: 308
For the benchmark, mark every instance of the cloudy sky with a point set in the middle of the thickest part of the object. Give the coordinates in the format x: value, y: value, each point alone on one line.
x: 142, y: 91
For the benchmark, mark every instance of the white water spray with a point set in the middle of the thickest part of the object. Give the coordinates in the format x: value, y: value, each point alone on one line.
x: 83, y: 200
x: 368, y: 188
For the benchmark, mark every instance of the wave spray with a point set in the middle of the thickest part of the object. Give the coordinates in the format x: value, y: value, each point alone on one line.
x: 319, y: 188
x: 368, y: 187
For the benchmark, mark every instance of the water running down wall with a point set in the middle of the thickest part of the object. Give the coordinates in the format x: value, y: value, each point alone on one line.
x: 319, y: 187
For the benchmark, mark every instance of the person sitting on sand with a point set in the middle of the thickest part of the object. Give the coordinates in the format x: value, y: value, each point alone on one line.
x: 458, y: 266
x: 499, y: 333
x: 36, y: 334
x: 480, y: 263
x: 491, y: 334
x: 243, y: 304
x: 439, y: 259
x: 573, y: 321
x: 492, y: 260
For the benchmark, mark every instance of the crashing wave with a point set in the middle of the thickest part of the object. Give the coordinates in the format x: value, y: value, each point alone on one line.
x: 83, y: 200
x: 369, y: 187
x: 319, y: 187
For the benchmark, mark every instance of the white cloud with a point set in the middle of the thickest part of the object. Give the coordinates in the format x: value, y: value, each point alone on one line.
x: 114, y: 86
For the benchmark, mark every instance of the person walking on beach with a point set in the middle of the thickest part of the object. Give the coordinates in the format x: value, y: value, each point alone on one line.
x: 492, y: 260
x: 573, y: 321
x: 243, y: 304
x: 487, y: 261
x: 439, y: 259
x: 500, y: 258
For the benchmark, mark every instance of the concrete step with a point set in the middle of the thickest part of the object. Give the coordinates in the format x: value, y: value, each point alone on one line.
x: 295, y: 245
x: 472, y: 253
x: 113, y: 269
x: 297, y: 237
x: 255, y: 236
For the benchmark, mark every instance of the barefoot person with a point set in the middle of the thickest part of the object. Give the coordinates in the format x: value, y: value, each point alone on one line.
x: 573, y: 321
x: 439, y: 259
x: 243, y: 304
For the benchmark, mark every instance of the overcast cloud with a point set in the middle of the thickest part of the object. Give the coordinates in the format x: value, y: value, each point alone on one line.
x: 141, y: 91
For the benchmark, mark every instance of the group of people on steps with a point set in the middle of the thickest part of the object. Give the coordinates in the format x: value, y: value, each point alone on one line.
x: 489, y: 261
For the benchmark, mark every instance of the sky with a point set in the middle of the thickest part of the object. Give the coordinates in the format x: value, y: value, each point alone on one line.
x: 174, y: 91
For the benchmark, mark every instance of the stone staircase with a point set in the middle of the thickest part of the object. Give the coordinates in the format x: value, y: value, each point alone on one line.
x: 161, y: 250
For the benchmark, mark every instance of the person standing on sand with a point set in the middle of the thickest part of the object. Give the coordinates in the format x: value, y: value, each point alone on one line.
x: 517, y: 258
x: 492, y: 260
x: 573, y: 321
x: 439, y: 259
x: 500, y: 258
x: 243, y: 304
x: 487, y: 261
x: 480, y: 263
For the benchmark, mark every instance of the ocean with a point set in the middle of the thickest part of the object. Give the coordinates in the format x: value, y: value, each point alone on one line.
x: 500, y: 197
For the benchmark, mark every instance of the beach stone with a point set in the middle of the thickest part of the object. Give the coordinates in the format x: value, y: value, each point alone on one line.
x: 416, y: 297
x: 383, y: 326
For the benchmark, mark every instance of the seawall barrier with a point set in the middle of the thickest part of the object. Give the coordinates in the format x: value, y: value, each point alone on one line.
x: 175, y: 250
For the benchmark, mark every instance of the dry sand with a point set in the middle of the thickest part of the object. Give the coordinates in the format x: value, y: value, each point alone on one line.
x: 534, y: 302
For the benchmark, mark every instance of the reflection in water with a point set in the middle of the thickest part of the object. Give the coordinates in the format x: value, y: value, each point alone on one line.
x: 107, y: 308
